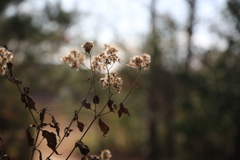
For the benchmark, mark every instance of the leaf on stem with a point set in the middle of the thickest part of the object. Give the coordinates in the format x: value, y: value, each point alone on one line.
x: 10, y: 77
x: 51, y: 140
x: 96, y: 99
x: 29, y: 137
x: 104, y: 128
x: 82, y: 147
x: 27, y: 99
x: 42, y: 114
x: 26, y: 90
x: 122, y: 110
x: 67, y: 131
x: 55, y: 125
x: 86, y: 104
x: 75, y: 115
x: 30, y: 102
x: 80, y: 126
x: 13, y: 80
x: 110, y: 103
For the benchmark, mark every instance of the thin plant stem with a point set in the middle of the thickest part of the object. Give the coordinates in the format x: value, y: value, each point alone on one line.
x: 39, y: 143
x: 34, y: 146
x: 35, y: 121
x: 76, y: 113
x: 135, y: 82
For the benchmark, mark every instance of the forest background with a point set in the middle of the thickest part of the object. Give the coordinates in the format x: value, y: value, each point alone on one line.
x: 187, y: 105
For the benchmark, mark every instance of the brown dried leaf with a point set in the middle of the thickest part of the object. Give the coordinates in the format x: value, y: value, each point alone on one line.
x: 80, y: 126
x: 31, y: 103
x: 42, y: 114
x: 96, y: 99
x: 82, y: 147
x: 13, y: 80
x: 51, y: 140
x: 55, y: 125
x: 29, y: 137
x: 104, y: 128
x: 86, y: 104
x: 120, y: 112
x: 67, y: 131
x: 110, y: 103
x: 124, y: 110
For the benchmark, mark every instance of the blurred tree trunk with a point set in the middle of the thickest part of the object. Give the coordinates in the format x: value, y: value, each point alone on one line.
x: 190, y: 32
x: 160, y: 98
x: 155, y: 150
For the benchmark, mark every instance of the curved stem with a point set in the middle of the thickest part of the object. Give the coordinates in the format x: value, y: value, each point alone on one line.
x: 76, y: 113
x: 135, y: 82
x: 34, y: 147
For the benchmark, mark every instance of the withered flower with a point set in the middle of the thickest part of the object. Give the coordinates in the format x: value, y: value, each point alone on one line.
x: 74, y: 59
x: 112, y: 79
x: 102, y: 60
x: 87, y: 46
x: 140, y: 62
x: 5, y: 57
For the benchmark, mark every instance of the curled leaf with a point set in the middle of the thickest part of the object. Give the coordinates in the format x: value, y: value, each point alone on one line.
x: 82, y: 147
x: 29, y: 137
x: 122, y: 110
x: 80, y: 126
x: 30, y: 102
x: 13, y: 80
x: 86, y: 104
x: 104, y: 128
x: 51, y: 140
x: 110, y: 103
x: 55, y: 125
x: 42, y: 114
x: 67, y: 131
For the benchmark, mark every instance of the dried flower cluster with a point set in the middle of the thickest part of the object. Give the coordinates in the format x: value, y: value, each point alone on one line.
x: 112, y: 79
x: 105, y: 155
x: 87, y: 47
x: 74, y: 59
x: 5, y: 57
x: 102, y: 60
x: 140, y: 62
